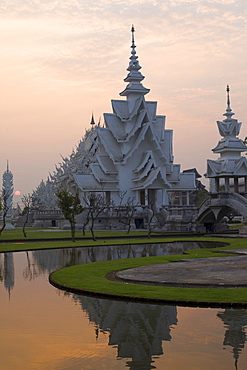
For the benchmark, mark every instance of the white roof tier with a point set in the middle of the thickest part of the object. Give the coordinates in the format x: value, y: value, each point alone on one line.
x: 107, y: 164
x: 227, y: 168
x: 174, y: 175
x: 101, y: 176
x: 114, y: 124
x: 187, y: 182
x: 230, y: 144
x: 111, y: 146
x: 155, y: 179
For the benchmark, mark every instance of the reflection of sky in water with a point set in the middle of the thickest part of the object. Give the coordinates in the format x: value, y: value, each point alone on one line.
x: 44, y: 328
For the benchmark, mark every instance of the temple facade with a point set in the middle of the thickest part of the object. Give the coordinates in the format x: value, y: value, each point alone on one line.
x: 129, y: 159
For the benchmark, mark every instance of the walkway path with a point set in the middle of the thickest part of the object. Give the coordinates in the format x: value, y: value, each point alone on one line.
x: 227, y: 272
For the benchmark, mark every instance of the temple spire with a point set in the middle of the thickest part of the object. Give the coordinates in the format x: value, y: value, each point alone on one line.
x: 228, y: 96
x: 133, y: 35
x: 7, y: 165
x: 92, y: 120
x: 134, y: 77
x: 134, y: 63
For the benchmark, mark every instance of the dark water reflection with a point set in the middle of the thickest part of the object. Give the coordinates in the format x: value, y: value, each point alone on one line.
x: 43, y: 261
x: 43, y: 328
x: 137, y: 330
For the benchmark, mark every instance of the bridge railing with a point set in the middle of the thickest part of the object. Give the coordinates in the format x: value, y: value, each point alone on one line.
x: 224, y: 199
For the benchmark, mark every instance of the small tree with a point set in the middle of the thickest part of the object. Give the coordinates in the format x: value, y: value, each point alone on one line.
x: 70, y: 206
x: 27, y: 201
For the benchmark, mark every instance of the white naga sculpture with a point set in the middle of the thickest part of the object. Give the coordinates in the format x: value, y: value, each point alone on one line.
x: 7, y: 192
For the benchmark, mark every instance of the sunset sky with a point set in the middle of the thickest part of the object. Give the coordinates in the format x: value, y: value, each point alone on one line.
x: 61, y: 60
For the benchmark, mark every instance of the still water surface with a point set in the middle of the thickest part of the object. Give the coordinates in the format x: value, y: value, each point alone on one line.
x: 45, y: 328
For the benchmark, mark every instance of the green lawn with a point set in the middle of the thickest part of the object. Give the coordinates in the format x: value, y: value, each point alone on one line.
x: 92, y: 278
x: 33, y: 233
x: 236, y: 226
x: 44, y: 239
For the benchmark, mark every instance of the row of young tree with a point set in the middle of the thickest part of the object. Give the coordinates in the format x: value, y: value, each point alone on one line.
x: 95, y: 205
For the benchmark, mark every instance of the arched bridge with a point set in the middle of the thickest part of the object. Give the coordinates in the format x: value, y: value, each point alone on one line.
x: 218, y: 205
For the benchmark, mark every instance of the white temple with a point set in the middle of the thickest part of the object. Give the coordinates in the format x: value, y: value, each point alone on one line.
x: 131, y: 154
x: 229, y: 171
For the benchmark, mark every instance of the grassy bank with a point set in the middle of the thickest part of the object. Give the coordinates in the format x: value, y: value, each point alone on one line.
x: 44, y: 234
x: 14, y: 241
x: 92, y: 278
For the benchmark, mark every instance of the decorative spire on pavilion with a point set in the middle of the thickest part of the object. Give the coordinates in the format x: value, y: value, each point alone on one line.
x: 134, y: 77
x: 229, y: 112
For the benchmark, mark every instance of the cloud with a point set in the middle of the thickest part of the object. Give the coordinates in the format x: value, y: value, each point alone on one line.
x: 61, y: 59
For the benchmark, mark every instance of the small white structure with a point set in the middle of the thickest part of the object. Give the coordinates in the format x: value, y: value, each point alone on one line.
x: 228, y: 176
x: 229, y: 171
x: 7, y: 191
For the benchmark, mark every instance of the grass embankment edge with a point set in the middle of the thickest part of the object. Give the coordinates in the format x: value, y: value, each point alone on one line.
x: 14, y: 243
x: 91, y: 279
x: 58, y: 244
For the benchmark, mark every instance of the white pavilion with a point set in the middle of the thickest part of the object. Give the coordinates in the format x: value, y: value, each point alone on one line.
x: 229, y: 172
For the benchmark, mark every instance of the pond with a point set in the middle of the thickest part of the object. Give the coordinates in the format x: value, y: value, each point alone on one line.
x: 45, y: 328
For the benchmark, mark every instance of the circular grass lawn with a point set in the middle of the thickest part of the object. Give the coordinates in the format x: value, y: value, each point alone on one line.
x: 92, y: 279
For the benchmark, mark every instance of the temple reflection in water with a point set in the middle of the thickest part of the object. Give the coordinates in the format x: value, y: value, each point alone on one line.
x: 137, y: 330
x: 235, y: 321
x: 9, y: 272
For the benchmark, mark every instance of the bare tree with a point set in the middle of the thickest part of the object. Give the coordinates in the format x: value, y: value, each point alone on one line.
x: 96, y: 205
x: 30, y: 272
x: 27, y: 201
x: 125, y: 210
x: 86, y: 220
x: 151, y: 216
